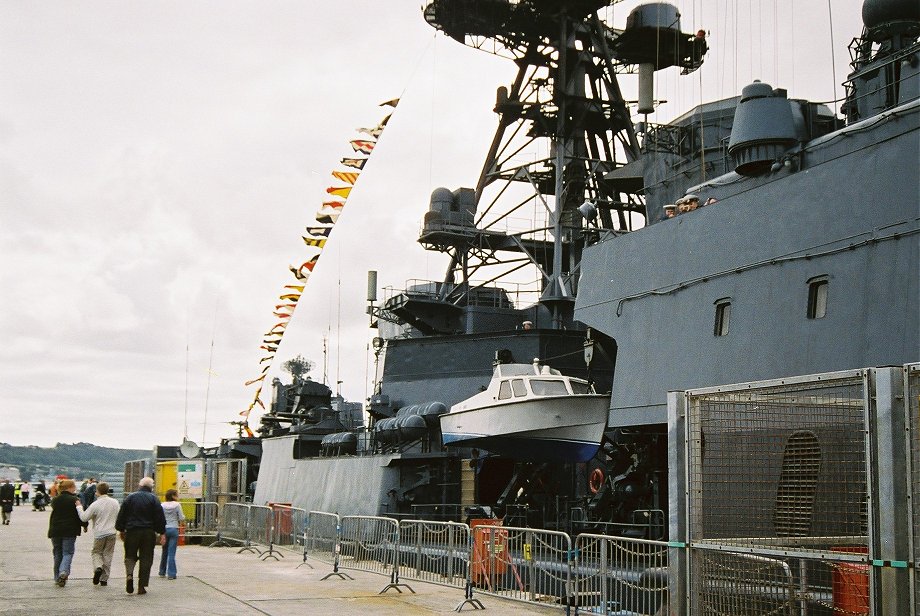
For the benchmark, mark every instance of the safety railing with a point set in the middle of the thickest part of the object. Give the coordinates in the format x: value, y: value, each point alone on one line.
x: 614, y: 575
x: 525, y: 564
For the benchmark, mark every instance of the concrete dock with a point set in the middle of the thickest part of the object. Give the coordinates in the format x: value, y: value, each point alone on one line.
x: 211, y: 581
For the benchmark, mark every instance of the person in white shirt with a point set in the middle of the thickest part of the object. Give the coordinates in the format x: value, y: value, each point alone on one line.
x: 102, y: 512
x: 172, y: 509
x: 26, y: 489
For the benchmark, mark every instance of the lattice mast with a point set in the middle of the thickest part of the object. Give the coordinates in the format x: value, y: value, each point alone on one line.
x: 565, y: 101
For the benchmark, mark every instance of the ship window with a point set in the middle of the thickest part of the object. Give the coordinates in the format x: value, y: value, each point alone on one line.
x: 520, y: 390
x: 504, y: 390
x: 817, y: 297
x: 546, y: 387
x: 723, y: 316
x: 580, y: 389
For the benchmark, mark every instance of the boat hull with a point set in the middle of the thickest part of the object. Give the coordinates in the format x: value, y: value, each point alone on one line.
x: 564, y: 428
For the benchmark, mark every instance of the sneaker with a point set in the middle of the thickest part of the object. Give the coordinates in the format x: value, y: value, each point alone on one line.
x: 129, y: 585
x: 172, y: 577
x: 141, y: 590
x: 62, y: 580
x: 162, y: 575
x: 96, y: 575
x: 103, y: 583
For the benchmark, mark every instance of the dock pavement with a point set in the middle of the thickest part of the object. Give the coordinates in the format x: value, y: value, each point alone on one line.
x: 211, y: 581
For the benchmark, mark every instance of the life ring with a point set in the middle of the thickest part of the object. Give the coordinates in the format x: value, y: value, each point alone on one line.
x: 596, y: 481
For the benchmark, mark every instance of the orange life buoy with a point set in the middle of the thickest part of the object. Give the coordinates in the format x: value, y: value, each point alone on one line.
x: 596, y: 481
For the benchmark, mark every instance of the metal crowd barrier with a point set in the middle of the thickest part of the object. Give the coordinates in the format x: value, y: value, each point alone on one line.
x: 525, y: 564
x: 262, y: 531
x: 233, y: 525
x: 614, y: 575
x: 289, y: 524
x: 435, y: 552
x: 321, y: 535
x: 204, y: 519
x: 370, y: 543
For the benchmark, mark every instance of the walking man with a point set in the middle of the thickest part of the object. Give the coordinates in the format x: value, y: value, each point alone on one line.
x: 64, y: 526
x: 6, y: 501
x: 103, y: 511
x: 139, y: 521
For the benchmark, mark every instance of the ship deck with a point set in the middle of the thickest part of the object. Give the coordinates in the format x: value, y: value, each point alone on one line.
x: 211, y: 581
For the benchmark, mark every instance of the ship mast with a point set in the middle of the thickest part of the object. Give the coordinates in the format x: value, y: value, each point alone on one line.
x: 565, y: 103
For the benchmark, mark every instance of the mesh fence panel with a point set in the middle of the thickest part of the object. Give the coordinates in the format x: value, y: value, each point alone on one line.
x: 620, y: 576
x: 771, y: 464
x: 744, y: 584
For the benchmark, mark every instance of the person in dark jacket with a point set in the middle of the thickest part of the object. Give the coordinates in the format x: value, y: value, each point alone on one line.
x: 7, y: 492
x: 64, y: 526
x: 140, y: 520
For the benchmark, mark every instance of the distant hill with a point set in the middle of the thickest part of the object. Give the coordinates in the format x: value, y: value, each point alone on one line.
x: 77, y: 460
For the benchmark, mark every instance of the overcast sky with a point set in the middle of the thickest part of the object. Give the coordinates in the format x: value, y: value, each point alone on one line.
x: 159, y: 160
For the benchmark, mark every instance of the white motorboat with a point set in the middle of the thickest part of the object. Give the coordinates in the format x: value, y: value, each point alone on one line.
x: 530, y: 412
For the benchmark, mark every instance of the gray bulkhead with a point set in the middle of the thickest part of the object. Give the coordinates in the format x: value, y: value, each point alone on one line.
x: 850, y: 213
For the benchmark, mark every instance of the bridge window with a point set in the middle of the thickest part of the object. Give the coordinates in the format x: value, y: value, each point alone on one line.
x: 723, y: 316
x: 504, y: 390
x: 817, y: 297
x: 520, y: 390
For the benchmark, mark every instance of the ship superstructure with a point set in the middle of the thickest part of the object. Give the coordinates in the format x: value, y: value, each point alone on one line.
x: 803, y: 259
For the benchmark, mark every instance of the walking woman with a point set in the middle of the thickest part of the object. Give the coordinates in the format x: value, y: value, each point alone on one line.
x: 64, y: 526
x: 172, y: 509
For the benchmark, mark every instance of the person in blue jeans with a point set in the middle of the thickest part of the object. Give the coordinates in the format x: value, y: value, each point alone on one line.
x: 172, y: 509
x: 64, y: 526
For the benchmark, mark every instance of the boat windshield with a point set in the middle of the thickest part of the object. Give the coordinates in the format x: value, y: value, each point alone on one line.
x: 580, y: 388
x: 547, y: 387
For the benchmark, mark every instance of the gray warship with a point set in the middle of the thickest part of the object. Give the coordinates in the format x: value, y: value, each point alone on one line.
x: 797, y: 253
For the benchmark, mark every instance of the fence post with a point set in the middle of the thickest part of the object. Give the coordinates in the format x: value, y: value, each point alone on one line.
x: 887, y: 467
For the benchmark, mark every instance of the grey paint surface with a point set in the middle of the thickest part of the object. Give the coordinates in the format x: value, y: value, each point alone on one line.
x: 751, y: 247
